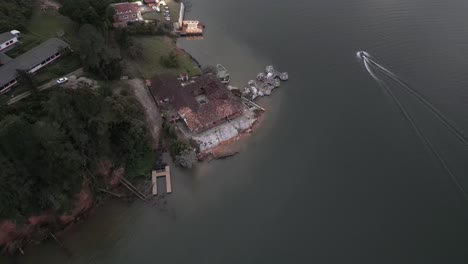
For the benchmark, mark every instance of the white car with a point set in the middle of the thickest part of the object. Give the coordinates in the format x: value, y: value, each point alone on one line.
x: 62, y: 80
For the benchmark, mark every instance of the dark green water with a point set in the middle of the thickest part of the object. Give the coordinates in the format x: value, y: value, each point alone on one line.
x: 335, y: 174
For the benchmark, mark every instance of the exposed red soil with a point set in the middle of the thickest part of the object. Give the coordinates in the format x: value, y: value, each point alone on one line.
x: 14, y: 236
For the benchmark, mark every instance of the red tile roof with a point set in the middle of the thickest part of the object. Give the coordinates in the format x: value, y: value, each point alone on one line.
x: 220, y: 102
x: 125, y: 12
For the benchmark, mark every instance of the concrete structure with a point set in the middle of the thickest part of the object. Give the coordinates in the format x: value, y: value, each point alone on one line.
x: 154, y: 179
x: 8, y: 39
x: 212, y: 137
x: 31, y: 61
x: 187, y: 27
x: 126, y: 12
x: 191, y: 28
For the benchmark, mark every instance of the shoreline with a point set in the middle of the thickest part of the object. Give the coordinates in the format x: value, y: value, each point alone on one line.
x: 14, y: 237
x: 234, y: 145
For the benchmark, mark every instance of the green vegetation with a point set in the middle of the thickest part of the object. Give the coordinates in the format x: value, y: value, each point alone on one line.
x: 42, y: 26
x: 153, y: 49
x: 52, y: 140
x: 25, y: 78
x: 14, y: 14
x: 97, y: 56
x: 97, y: 13
x: 27, y: 42
x: 181, y: 151
x: 63, y: 66
x: 45, y: 25
x: 170, y: 60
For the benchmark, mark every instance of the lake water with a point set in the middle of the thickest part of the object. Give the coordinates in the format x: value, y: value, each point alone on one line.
x: 336, y: 174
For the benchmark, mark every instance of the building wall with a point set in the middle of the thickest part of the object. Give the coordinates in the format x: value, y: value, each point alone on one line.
x: 8, y: 43
x: 6, y: 87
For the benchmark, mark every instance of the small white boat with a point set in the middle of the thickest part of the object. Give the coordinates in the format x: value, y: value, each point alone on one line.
x: 222, y: 74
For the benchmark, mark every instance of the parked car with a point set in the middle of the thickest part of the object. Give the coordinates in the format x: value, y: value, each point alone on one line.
x: 62, y: 80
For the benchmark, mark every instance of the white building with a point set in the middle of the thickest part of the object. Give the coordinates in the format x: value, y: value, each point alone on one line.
x: 8, y: 39
x: 36, y: 58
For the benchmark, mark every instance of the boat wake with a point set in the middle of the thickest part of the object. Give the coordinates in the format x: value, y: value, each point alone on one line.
x: 370, y: 66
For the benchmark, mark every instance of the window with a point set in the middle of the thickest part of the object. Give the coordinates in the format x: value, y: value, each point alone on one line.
x: 133, y: 15
x: 125, y: 17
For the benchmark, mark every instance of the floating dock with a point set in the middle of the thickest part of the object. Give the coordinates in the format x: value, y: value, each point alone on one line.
x: 265, y: 83
x: 154, y: 179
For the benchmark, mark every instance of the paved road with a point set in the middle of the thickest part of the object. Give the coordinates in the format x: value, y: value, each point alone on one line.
x: 43, y: 87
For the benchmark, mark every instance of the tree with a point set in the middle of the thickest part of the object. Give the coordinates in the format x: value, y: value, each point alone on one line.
x: 135, y: 51
x: 80, y: 11
x: 97, y: 13
x: 15, y: 14
x: 123, y: 38
x: 53, y: 138
x: 170, y: 60
x: 96, y: 56
x: 25, y: 78
x: 187, y: 158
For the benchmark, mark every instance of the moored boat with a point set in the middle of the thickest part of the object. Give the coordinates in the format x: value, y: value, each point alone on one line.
x: 222, y: 74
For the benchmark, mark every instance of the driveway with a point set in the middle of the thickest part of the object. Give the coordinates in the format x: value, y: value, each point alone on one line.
x: 43, y: 87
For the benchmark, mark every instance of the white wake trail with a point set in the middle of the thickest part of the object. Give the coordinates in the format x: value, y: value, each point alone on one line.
x: 426, y: 142
x: 445, y: 121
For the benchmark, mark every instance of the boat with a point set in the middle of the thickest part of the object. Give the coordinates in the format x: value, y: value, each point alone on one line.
x: 222, y: 74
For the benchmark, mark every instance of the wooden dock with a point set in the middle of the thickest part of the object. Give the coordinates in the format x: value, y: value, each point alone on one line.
x: 165, y: 173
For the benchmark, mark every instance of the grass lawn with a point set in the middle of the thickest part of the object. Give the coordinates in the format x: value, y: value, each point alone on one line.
x: 28, y: 41
x: 42, y: 26
x: 63, y: 66
x: 153, y: 48
x: 46, y: 25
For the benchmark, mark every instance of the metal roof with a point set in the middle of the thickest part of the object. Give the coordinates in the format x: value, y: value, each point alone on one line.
x: 6, y: 36
x: 30, y: 59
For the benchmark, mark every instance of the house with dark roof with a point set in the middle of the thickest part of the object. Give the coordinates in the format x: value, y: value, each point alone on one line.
x: 31, y: 61
x: 202, y: 103
x: 126, y: 12
x: 8, y: 39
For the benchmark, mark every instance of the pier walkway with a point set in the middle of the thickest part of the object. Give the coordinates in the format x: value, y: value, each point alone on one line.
x: 165, y: 173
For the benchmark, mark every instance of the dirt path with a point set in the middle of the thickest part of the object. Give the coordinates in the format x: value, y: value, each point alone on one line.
x: 153, y: 116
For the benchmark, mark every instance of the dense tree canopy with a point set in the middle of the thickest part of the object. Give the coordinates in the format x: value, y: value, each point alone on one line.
x: 94, y: 12
x: 14, y: 14
x: 51, y: 140
x: 98, y: 56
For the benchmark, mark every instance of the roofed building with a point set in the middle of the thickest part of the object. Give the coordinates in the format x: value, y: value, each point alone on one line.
x: 202, y: 103
x: 7, y: 39
x: 126, y: 12
x: 31, y: 61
